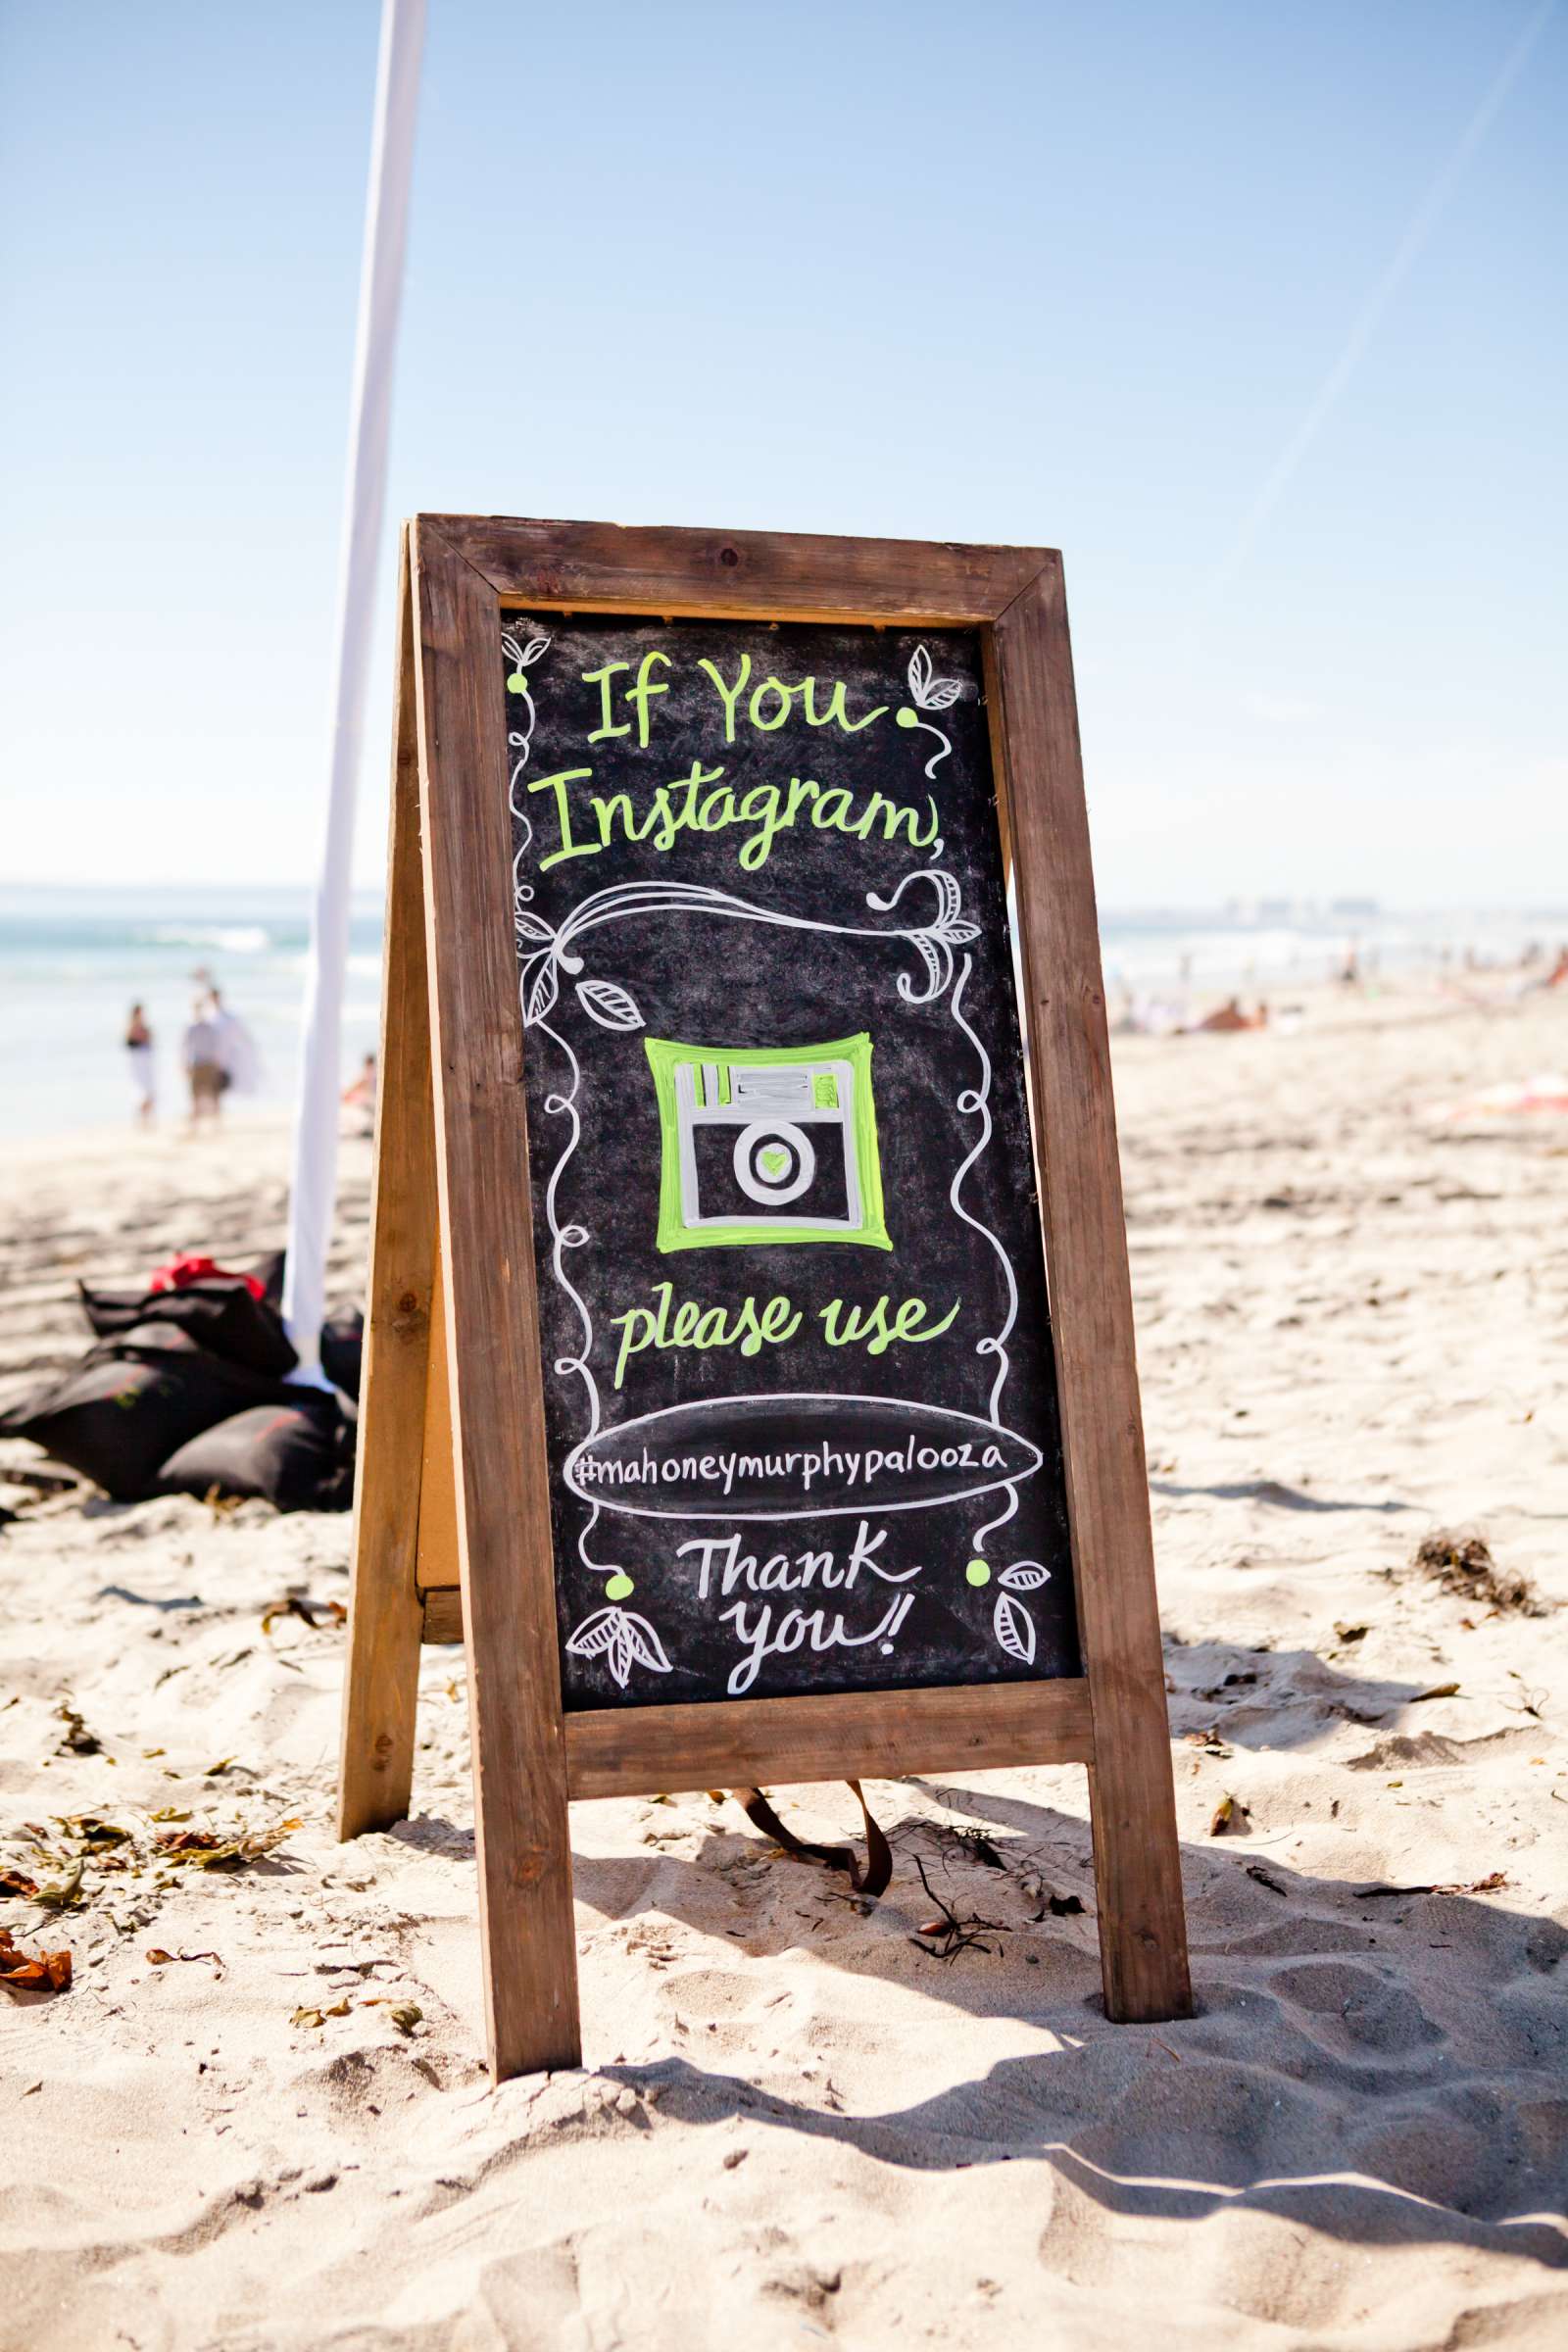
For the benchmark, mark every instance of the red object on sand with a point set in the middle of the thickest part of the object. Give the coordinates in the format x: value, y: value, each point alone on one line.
x: 184, y: 1268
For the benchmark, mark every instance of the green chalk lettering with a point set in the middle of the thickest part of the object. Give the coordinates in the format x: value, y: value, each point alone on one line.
x: 600, y: 678
x: 777, y: 1322
x: 694, y: 1325
x: 802, y: 790
x: 641, y: 1327
x: 870, y: 1327
x: 730, y: 696
x: 640, y: 693
x: 568, y: 847
x: 769, y: 727
x: 896, y: 818
x: 718, y: 809
x: 835, y: 708
x: 759, y: 807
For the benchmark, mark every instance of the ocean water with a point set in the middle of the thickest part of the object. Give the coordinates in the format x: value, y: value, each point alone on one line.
x: 1267, y: 949
x: 73, y: 962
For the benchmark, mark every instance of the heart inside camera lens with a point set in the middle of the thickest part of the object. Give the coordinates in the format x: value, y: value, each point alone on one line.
x: 774, y: 1164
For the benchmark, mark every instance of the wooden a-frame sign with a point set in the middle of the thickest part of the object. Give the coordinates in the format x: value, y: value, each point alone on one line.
x: 453, y: 1533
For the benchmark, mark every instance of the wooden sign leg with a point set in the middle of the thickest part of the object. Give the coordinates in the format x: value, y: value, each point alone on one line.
x: 505, y: 1559
x: 436, y: 1558
x: 381, y: 1690
x: 1143, y: 1930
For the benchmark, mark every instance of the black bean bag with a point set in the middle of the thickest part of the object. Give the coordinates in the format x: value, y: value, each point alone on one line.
x: 132, y: 1401
x: 297, y: 1456
x: 269, y: 1272
x: 220, y: 1313
x: 343, y: 1350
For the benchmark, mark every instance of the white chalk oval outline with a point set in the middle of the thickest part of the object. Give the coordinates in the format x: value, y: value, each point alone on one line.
x: 864, y: 1508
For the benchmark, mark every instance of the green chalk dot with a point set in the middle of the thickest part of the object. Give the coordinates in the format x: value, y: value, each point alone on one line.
x: 977, y: 1573
x: 618, y: 1587
x: 907, y: 717
x: 517, y: 683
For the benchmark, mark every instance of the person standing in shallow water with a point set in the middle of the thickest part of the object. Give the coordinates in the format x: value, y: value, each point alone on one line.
x: 203, y: 1069
x: 139, y: 1054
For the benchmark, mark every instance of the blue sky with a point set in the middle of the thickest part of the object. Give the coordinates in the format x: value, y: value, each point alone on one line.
x: 1071, y: 276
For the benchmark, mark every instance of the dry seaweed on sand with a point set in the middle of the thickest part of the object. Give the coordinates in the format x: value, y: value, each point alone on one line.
x: 981, y: 1848
x: 954, y: 1935
x: 1463, y: 1566
x: 78, y: 1741
x: 33, y: 1972
x: 1489, y: 1884
x: 62, y: 1892
x: 208, y: 1849
x: 303, y: 1606
x: 82, y: 1839
x: 313, y: 2014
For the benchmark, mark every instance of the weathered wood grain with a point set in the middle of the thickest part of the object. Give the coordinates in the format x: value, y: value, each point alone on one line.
x: 1143, y: 1937
x: 745, y: 575
x: 380, y: 1685
x: 617, y: 1751
x: 626, y: 1751
x: 496, y: 1387
x: 436, y: 1559
x: 443, y: 1614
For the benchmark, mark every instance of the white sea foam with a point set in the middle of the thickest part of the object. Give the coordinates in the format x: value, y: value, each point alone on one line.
x: 229, y: 939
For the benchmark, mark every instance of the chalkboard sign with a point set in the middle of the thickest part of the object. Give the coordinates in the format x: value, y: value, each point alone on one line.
x: 799, y: 1390
x: 711, y: 1395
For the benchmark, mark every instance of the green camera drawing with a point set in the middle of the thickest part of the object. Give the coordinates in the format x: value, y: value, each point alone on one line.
x: 768, y: 1144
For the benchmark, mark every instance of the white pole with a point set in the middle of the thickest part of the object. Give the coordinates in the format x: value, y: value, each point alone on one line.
x: 314, y: 1188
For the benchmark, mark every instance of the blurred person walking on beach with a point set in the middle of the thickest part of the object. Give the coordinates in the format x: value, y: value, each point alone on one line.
x: 360, y: 1095
x: 139, y: 1054
x: 199, y: 1053
x: 236, y: 1055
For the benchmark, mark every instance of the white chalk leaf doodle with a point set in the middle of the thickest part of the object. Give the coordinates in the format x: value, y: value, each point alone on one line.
x: 927, y: 692
x: 542, y: 993
x: 1024, y: 1576
x: 622, y: 1639
x: 610, y: 1006
x: 920, y: 671
x: 1015, y: 1629
x: 519, y: 652
x: 533, y: 926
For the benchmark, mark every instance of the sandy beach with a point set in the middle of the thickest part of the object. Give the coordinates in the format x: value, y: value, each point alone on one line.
x: 258, y: 2123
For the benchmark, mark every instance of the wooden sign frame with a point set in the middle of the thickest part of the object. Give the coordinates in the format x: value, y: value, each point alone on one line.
x: 452, y: 1531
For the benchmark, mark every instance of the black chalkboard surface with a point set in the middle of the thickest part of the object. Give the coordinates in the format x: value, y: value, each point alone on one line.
x: 798, y: 1389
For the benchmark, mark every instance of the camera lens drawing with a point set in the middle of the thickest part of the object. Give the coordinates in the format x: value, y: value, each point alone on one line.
x: 773, y: 1164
